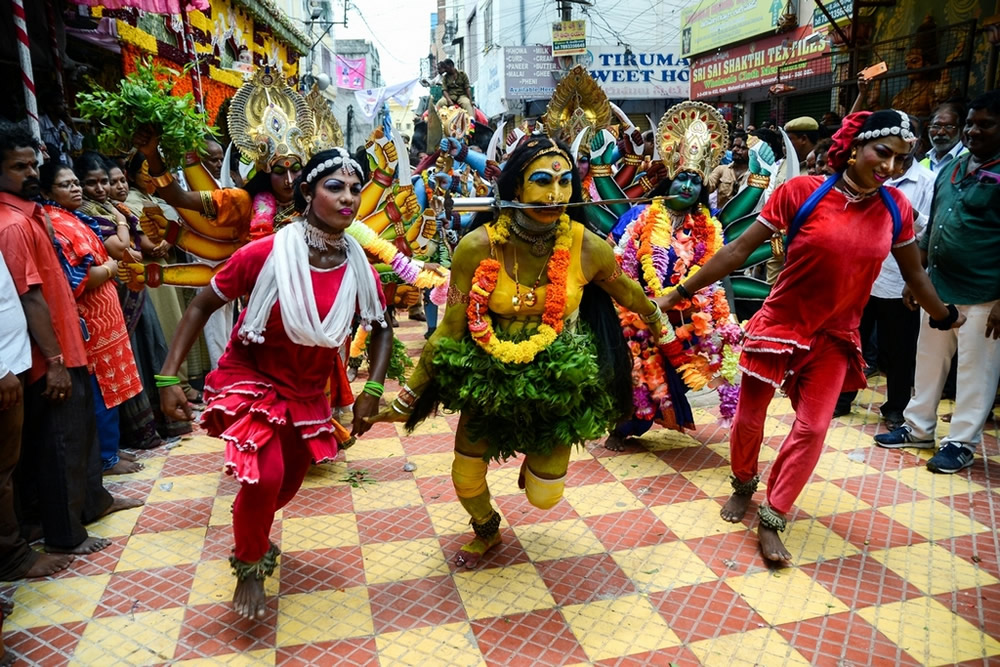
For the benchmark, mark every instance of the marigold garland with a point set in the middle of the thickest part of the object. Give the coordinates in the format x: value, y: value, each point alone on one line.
x: 389, y: 254
x: 484, y: 281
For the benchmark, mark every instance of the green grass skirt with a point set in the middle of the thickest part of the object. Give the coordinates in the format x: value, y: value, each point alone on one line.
x: 559, y: 399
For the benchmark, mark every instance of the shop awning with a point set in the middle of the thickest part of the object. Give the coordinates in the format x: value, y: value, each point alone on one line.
x: 273, y: 17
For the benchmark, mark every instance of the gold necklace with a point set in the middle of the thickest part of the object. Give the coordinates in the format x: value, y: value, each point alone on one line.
x: 530, y: 298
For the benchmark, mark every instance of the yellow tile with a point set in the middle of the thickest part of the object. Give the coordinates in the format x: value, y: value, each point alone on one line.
x: 847, y: 438
x: 135, y: 639
x: 838, y: 465
x: 214, y: 582
x: 697, y: 518
x: 432, y: 426
x: 810, y: 541
x: 503, y: 481
x: 449, y: 644
x: 429, y: 465
x: 558, y: 539
x: 324, y: 616
x: 784, y: 596
x: 933, y: 569
x: 502, y: 591
x: 614, y: 628
x: 596, y: 499
x: 172, y: 547
x: 580, y: 453
x: 775, y: 428
x: 451, y: 518
x: 869, y: 399
x: 663, y: 567
x: 199, y: 444
x: 185, y: 487
x: 404, y: 560
x: 764, y: 646
x: 222, y: 511
x: 375, y: 448
x: 860, y: 417
x: 930, y: 632
x: 116, y: 524
x: 932, y: 485
x: 934, y: 520
x: 67, y: 600
x: 262, y: 657
x: 702, y: 416
x: 780, y: 405
x: 722, y: 449
x: 712, y: 481
x: 152, y: 467
x: 328, y: 531
x: 386, y: 495
x: 825, y: 498
x: 326, y: 475
x: 634, y: 466
x: 662, y: 439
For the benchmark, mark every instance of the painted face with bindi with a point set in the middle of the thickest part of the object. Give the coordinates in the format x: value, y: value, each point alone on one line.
x: 284, y: 171
x: 879, y: 160
x: 335, y: 200
x: 547, y: 181
x: 684, y: 191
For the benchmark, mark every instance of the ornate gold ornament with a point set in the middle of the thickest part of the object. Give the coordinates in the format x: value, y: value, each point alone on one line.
x: 577, y: 104
x: 692, y: 136
x: 328, y: 132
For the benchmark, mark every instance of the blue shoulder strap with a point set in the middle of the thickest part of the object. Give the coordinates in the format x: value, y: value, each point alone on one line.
x: 810, y: 204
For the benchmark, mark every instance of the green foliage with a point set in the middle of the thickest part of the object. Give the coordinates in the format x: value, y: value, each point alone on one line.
x: 399, y: 361
x: 143, y: 100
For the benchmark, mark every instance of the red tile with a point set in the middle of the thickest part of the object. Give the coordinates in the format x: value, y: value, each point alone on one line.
x: 981, y: 506
x: 381, y: 470
x: 319, y: 502
x: 393, y: 525
x: 711, y: 434
x: 976, y: 605
x: 676, y: 655
x: 686, y: 459
x: 321, y: 570
x: 381, y: 430
x: 843, y: 639
x: 729, y: 554
x: 437, y: 489
x: 539, y: 637
x: 47, y: 645
x: 705, y: 611
x: 979, y: 550
x: 103, y: 562
x: 584, y: 579
x: 228, y: 486
x: 878, y: 490
x: 870, y: 530
x: 218, y: 542
x: 215, y: 629
x: 589, y: 471
x: 174, y: 515
x: 146, y: 590
x: 436, y: 443
x: 360, y: 652
x: 519, y: 512
x: 861, y: 581
x: 629, y: 530
x: 192, y: 464
x: 405, y: 605
x: 663, y: 490
x: 508, y: 552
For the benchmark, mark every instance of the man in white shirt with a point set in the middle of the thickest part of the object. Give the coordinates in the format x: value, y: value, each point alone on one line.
x: 896, y: 326
x: 17, y: 560
x: 945, y: 133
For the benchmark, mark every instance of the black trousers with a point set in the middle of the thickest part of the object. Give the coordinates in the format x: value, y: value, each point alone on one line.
x: 16, y: 558
x: 896, y: 328
x: 59, y: 480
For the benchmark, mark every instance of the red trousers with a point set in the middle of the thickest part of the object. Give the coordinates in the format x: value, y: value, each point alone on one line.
x: 283, y: 466
x: 820, y: 377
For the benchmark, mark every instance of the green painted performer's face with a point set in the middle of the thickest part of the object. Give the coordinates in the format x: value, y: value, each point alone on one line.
x: 685, y: 191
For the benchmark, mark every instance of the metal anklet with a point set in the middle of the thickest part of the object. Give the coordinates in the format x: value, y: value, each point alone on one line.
x: 747, y: 488
x: 488, y: 528
x: 260, y: 570
x: 771, y: 519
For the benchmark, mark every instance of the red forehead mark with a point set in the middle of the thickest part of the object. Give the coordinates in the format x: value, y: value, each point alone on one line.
x: 557, y: 165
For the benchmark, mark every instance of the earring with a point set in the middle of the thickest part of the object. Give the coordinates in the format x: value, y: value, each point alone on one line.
x: 309, y: 202
x: 854, y: 156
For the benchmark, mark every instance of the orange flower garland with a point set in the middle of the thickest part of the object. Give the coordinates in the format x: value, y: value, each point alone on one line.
x: 484, y: 281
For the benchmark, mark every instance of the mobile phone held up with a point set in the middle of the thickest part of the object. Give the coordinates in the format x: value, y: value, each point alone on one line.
x: 870, y: 73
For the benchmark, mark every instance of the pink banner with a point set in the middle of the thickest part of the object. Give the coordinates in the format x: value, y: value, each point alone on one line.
x: 154, y: 6
x: 351, y: 73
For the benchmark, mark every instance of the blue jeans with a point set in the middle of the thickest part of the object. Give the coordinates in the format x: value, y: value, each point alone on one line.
x: 431, y: 311
x: 108, y: 433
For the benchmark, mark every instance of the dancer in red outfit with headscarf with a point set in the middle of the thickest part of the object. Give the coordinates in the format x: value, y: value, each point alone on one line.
x: 266, y: 399
x: 805, y: 337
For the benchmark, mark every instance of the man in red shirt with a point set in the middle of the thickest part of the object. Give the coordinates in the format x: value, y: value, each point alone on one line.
x: 58, y: 480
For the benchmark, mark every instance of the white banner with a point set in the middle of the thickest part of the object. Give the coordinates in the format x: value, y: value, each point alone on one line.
x: 370, y: 101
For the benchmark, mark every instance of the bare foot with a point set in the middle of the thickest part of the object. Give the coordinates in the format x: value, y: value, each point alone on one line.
x: 470, y: 554
x: 119, y: 504
x: 249, y: 599
x: 615, y: 442
x: 124, y: 467
x: 772, y: 547
x: 88, y: 546
x: 48, y: 564
x: 735, y: 508
x: 128, y: 456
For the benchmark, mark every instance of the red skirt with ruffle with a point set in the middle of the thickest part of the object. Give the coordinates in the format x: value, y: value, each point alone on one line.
x: 247, y: 414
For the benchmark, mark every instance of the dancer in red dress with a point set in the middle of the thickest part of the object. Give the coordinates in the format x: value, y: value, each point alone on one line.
x: 266, y: 399
x: 805, y: 337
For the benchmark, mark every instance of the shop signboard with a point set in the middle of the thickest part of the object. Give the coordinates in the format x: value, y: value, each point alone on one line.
x: 840, y: 11
x: 755, y: 64
x: 528, y: 72
x: 627, y: 73
x: 569, y: 38
x: 714, y: 23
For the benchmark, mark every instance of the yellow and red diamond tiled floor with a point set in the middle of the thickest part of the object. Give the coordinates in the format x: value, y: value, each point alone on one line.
x: 894, y: 565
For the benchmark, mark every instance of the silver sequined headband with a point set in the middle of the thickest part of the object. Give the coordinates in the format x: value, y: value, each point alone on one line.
x: 343, y: 159
x: 902, y: 130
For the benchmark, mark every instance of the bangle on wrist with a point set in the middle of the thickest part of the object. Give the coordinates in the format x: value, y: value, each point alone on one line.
x: 162, y: 180
x: 683, y: 291
x: 58, y: 359
x: 401, y: 408
x: 382, y: 178
x: 654, y: 315
x: 945, y: 323
x: 634, y: 160
x: 599, y: 170
x: 163, y: 381
x: 373, y: 388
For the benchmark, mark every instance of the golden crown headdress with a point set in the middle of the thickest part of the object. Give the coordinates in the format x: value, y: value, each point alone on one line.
x: 692, y: 136
x: 267, y: 119
x: 578, y: 103
x: 328, y: 132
